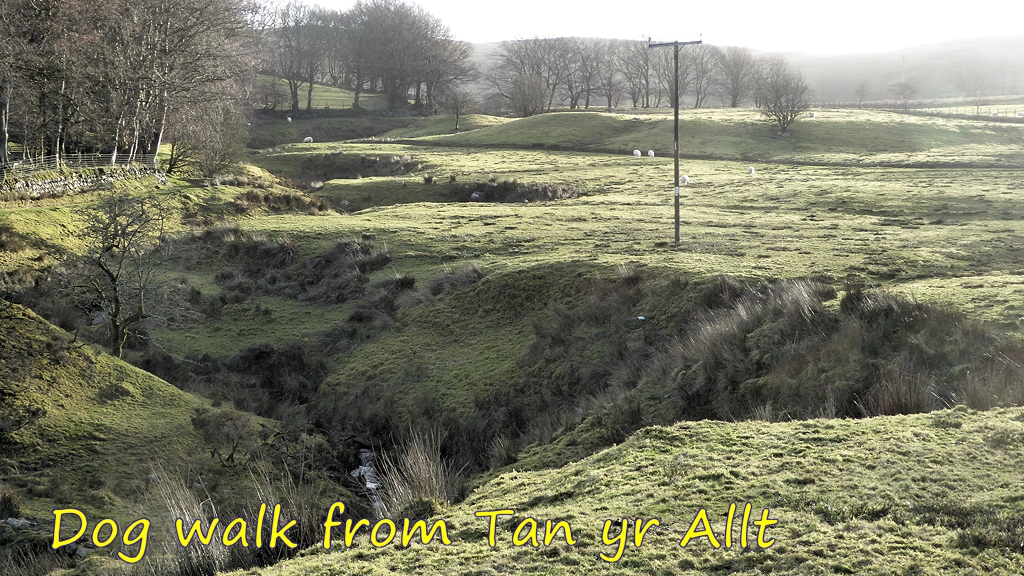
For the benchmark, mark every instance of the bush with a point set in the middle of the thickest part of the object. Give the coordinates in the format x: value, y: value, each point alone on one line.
x: 324, y: 167
x: 511, y: 191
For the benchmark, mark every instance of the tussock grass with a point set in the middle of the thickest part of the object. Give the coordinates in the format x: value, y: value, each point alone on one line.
x: 417, y: 482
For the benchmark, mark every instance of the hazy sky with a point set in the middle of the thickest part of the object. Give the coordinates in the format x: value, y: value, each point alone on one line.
x: 784, y: 26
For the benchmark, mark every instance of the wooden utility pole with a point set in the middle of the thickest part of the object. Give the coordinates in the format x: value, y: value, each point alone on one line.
x: 675, y: 90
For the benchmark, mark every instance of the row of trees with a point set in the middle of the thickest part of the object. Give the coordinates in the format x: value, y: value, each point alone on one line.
x: 123, y: 77
x: 533, y: 75
x: 529, y: 76
x: 378, y: 45
x: 120, y: 76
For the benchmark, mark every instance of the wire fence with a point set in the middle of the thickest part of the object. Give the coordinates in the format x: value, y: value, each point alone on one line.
x: 44, y: 163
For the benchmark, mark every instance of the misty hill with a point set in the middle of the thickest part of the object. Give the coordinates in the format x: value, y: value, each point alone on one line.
x: 958, y: 68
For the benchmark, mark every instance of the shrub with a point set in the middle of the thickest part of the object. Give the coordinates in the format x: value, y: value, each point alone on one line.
x: 511, y: 191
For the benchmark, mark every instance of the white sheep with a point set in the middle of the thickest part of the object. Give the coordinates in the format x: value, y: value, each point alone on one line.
x: 307, y: 140
x: 636, y: 153
x: 650, y: 153
x: 289, y: 119
x: 751, y: 171
x: 1021, y: 113
x: 686, y: 179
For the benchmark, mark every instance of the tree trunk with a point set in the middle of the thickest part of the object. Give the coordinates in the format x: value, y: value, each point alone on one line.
x: 159, y: 136
x: 5, y: 115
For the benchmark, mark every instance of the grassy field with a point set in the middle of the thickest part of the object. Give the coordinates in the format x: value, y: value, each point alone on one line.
x: 456, y: 301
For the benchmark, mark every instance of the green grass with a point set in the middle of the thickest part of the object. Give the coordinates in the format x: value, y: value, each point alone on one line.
x: 925, y: 494
x: 834, y: 137
x: 105, y: 422
x: 927, y: 207
x: 326, y: 97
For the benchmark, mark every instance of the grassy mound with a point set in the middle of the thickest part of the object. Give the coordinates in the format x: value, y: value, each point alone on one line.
x: 79, y: 429
x: 847, y: 137
x: 923, y: 494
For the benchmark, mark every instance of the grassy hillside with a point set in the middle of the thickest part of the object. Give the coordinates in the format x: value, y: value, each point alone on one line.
x: 834, y: 137
x: 101, y: 421
x: 81, y: 430
x: 515, y: 289
x: 926, y: 494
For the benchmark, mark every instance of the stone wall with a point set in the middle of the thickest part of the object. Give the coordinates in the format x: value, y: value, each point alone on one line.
x: 57, y: 183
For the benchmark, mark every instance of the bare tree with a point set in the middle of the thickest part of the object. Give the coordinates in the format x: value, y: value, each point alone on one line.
x: 527, y: 73
x: 861, y: 92
x: 458, y: 101
x: 300, y: 47
x: 208, y: 139
x: 665, y: 70
x: 609, y: 79
x: 114, y: 277
x: 735, y: 74
x: 637, y: 66
x: 445, y: 64
x: 782, y: 93
x: 704, y: 58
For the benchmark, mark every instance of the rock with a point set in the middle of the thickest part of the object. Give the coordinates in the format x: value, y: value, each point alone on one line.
x: 83, y: 551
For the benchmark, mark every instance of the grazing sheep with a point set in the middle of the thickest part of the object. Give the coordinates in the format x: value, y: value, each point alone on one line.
x: 636, y: 153
x: 686, y: 179
x: 307, y: 140
x: 812, y: 114
x: 751, y: 171
x: 650, y: 153
x: 476, y: 196
x: 289, y: 119
x: 1020, y: 113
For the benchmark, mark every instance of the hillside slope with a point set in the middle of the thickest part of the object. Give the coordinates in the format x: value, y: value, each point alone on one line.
x: 924, y: 494
x: 833, y: 137
x: 81, y: 430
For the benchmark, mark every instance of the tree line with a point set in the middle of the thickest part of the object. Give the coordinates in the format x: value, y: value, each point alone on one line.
x: 529, y: 76
x: 123, y: 77
x: 384, y: 46
x: 119, y: 76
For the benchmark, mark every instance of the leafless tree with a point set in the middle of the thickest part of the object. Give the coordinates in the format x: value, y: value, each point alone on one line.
x: 636, y: 62
x: 300, y: 48
x: 446, y: 64
x: 704, y: 59
x: 861, y: 92
x: 609, y: 79
x: 527, y: 73
x: 458, y: 101
x: 735, y: 74
x: 114, y: 278
x: 782, y: 92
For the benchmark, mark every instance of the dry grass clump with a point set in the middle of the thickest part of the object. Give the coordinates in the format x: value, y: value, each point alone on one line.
x: 417, y: 482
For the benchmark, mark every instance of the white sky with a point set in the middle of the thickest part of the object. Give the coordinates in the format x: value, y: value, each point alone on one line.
x: 783, y: 26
